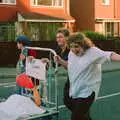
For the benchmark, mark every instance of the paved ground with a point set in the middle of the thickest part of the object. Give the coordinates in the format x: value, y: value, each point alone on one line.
x: 7, y: 72
x: 11, y: 71
x: 106, y: 108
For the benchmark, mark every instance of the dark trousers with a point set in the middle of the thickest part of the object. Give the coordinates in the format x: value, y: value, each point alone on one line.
x: 79, y: 107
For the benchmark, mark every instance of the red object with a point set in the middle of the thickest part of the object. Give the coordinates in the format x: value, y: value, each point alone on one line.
x: 23, y: 80
x: 32, y: 53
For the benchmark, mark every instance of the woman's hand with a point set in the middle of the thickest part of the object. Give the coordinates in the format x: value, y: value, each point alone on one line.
x: 22, y: 57
x: 61, y: 61
x: 58, y: 59
x: 44, y: 60
x: 115, y: 57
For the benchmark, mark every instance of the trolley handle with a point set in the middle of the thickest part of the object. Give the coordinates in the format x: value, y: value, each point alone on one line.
x: 49, y: 50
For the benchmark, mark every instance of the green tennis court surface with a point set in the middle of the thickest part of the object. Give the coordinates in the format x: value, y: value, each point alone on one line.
x: 107, y: 107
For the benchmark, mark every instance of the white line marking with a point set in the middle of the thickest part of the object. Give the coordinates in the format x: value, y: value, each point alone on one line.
x: 99, y: 98
x: 108, y: 96
x: 10, y: 86
x: 8, y: 83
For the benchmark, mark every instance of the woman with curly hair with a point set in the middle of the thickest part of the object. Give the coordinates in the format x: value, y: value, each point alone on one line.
x: 84, y: 71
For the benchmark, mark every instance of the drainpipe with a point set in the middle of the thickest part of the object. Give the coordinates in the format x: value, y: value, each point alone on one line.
x: 68, y: 6
x: 114, y: 11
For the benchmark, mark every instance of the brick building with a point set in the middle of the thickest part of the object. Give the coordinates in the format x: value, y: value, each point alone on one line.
x: 36, y: 18
x: 40, y: 18
x: 97, y: 15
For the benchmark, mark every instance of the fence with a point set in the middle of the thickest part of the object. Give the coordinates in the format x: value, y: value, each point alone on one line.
x: 9, y: 52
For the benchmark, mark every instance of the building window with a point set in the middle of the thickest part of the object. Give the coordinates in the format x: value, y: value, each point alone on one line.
x: 7, y: 31
x: 7, y: 1
x: 106, y: 2
x: 52, y: 3
x: 112, y: 29
x: 109, y: 28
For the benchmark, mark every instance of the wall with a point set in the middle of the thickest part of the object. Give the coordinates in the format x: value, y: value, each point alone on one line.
x: 107, y: 11
x: 9, y: 53
x: 104, y: 11
x: 25, y: 6
x: 83, y: 11
x: 8, y: 13
x: 117, y: 9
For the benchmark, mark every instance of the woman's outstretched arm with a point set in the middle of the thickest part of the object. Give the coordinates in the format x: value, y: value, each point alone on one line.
x: 115, y: 57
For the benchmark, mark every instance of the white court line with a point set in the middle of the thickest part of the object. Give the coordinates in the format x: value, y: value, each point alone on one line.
x: 99, y: 98
x: 108, y: 96
x: 8, y: 84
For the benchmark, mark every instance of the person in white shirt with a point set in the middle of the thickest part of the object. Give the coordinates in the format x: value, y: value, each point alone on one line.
x: 84, y: 71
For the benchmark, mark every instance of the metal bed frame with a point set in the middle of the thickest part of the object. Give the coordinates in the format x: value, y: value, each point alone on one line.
x: 51, y: 104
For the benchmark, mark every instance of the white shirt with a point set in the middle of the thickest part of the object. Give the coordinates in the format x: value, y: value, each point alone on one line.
x: 85, y: 72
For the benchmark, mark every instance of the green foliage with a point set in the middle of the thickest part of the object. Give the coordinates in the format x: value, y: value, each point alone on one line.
x: 95, y: 35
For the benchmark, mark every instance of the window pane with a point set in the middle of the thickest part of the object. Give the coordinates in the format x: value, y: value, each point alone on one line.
x: 34, y: 2
x: 12, y: 1
x: 48, y: 2
x: 106, y: 2
x: 57, y: 2
x: 7, y: 31
x: 8, y: 1
x: 109, y: 28
x: 44, y: 2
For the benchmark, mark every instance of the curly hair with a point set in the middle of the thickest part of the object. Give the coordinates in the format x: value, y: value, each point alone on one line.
x: 80, y: 39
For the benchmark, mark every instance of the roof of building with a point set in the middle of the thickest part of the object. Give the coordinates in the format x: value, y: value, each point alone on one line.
x: 39, y: 17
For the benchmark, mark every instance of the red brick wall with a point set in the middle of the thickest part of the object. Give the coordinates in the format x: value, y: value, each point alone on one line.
x: 117, y: 9
x: 8, y: 13
x: 104, y: 11
x: 83, y: 11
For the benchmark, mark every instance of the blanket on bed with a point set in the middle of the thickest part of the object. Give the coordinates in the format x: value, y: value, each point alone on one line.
x: 18, y: 107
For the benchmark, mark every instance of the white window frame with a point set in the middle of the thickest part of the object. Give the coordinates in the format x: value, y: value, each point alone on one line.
x: 35, y: 5
x: 106, y: 2
x: 8, y: 2
x: 109, y: 28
